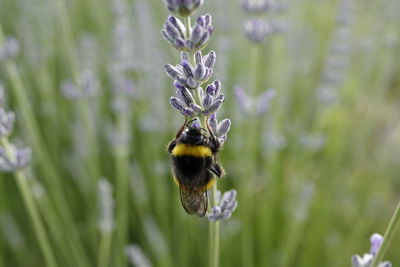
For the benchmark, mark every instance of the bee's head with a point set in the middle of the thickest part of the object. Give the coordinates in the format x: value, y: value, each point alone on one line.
x: 193, y: 135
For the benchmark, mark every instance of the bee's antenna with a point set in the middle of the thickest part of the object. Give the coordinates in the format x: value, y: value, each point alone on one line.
x: 191, y: 120
x: 209, y: 129
x: 182, y: 128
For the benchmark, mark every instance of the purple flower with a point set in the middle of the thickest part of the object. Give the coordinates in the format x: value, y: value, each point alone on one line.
x: 365, y: 261
x: 256, y: 7
x: 227, y: 205
x: 14, y: 159
x: 6, y: 122
x: 376, y: 241
x: 257, y: 29
x: 175, y: 33
x: 9, y: 48
x: 192, y: 76
x: 183, y: 8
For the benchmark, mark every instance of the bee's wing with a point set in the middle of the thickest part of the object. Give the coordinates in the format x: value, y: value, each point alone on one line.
x: 194, y: 201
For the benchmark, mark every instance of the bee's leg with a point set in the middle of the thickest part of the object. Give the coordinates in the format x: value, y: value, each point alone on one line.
x: 217, y: 169
x: 181, y: 129
x: 172, y: 144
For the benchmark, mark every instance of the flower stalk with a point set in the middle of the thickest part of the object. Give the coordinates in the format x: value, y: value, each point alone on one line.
x: 388, y: 236
x: 197, y: 101
x: 30, y: 205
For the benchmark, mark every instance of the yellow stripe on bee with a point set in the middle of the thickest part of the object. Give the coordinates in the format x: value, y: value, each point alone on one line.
x: 209, y: 185
x: 188, y: 150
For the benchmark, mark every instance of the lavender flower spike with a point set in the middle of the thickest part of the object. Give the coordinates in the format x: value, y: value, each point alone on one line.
x: 15, y: 159
x: 256, y: 30
x: 192, y: 76
x: 226, y: 207
x: 9, y: 48
x: 175, y: 33
x: 183, y: 8
x: 106, y: 205
x: 366, y: 260
x: 6, y: 122
x: 256, y: 7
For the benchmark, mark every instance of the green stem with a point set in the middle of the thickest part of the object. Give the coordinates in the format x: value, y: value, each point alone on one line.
x: 83, y: 105
x: 387, y: 239
x: 188, y: 25
x: 104, y: 250
x: 31, y: 207
x: 251, y: 158
x: 214, y: 233
x: 122, y: 187
x: 38, y: 147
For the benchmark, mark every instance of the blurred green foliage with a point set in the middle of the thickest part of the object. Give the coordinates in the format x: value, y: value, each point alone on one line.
x: 315, y: 179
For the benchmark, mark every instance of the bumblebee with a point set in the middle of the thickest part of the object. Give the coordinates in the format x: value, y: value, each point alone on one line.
x: 194, y: 166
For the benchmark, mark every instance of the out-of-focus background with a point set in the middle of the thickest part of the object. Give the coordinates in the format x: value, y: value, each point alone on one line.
x: 316, y: 169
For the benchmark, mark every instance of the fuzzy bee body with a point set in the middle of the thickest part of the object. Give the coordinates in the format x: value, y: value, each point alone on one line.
x: 194, y: 165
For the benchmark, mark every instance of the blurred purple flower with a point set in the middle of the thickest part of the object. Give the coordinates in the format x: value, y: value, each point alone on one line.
x: 9, y: 48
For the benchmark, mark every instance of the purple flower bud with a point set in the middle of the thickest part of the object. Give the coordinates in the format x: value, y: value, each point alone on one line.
x: 178, y: 85
x: 217, y: 87
x: 222, y: 139
x: 187, y: 3
x: 179, y: 44
x: 184, y: 57
x: 196, y: 108
x: 220, y: 97
x: 172, y: 71
x: 166, y: 36
x: 223, y: 127
x: 196, y: 33
x: 208, y: 19
x: 210, y: 59
x: 226, y: 207
x: 214, y: 107
x: 183, y: 8
x: 185, y: 95
x: 191, y: 83
x: 207, y: 101
x: 198, y: 57
x: 199, y: 71
x: 216, y: 211
x: 201, y: 93
x: 187, y: 112
x: 187, y: 69
x: 207, y: 75
x: 177, y: 103
x: 172, y: 31
x: 213, y: 123
x: 226, y: 214
x: 201, y: 21
x: 203, y: 40
x: 210, y: 89
x: 376, y: 241
x: 178, y: 25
